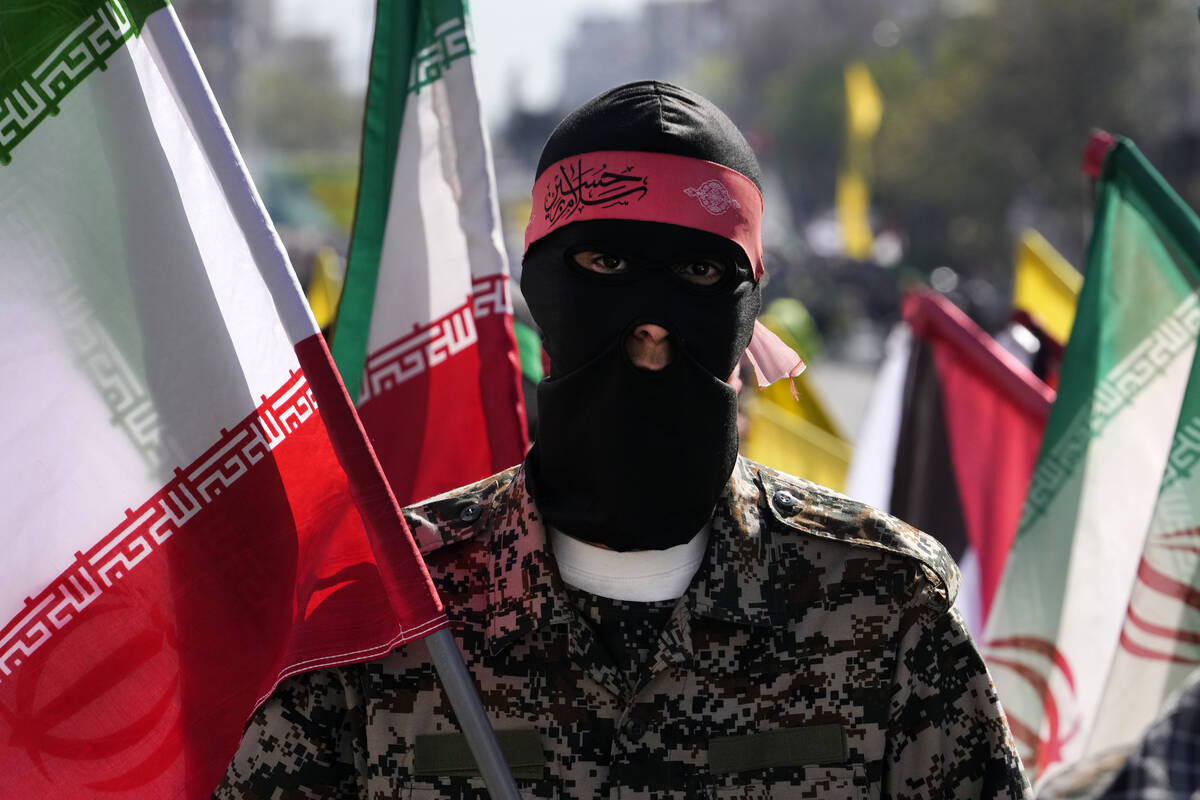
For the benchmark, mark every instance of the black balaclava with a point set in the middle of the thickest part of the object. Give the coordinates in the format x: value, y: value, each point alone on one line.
x: 625, y: 457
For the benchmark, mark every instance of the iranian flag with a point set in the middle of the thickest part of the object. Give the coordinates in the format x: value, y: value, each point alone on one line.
x: 1098, y: 615
x: 190, y: 510
x: 424, y: 335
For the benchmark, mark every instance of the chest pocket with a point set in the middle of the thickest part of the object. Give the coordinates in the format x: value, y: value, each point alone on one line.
x: 802, y: 762
x: 443, y: 766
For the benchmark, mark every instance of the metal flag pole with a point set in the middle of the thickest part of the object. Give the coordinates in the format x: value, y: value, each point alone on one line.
x: 174, y: 54
x: 448, y: 661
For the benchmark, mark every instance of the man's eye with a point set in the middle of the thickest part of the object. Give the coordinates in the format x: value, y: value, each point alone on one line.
x: 603, y: 263
x: 701, y: 272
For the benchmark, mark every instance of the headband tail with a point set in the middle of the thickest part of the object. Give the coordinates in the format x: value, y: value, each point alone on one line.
x: 772, y: 359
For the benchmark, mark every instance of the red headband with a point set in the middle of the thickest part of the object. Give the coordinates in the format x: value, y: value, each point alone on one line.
x: 649, y: 187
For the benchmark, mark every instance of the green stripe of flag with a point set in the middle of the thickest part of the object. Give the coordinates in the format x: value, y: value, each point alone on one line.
x: 391, y: 55
x: 404, y: 29
x: 47, y: 49
x: 1144, y: 225
x: 1179, y: 227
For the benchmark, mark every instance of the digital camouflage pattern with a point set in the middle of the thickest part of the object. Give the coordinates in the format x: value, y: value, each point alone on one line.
x: 815, y: 655
x: 628, y: 630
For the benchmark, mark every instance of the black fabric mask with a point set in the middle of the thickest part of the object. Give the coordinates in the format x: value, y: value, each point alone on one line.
x: 626, y: 457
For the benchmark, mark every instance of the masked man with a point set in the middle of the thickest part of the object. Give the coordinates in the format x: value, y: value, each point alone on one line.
x: 645, y: 613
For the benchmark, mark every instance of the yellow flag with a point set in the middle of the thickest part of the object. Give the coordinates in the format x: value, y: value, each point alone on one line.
x: 864, y: 112
x: 795, y: 434
x: 781, y: 435
x: 853, y: 207
x: 325, y: 286
x: 1045, y: 286
x: 864, y: 106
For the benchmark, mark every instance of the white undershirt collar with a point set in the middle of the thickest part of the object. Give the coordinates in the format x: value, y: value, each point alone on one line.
x: 643, y: 575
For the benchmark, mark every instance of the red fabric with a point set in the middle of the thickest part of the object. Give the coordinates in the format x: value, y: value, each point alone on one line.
x: 431, y: 433
x: 405, y: 578
x: 500, y: 392
x: 995, y: 412
x: 133, y: 673
x: 443, y: 405
x: 651, y: 187
x: 1095, y: 152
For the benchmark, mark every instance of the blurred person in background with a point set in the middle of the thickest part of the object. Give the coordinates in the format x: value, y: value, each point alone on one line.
x: 1163, y: 765
x: 645, y: 613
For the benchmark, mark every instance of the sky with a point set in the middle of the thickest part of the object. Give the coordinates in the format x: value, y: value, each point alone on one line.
x: 518, y: 42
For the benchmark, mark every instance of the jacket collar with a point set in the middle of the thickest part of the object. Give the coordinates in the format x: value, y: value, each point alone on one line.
x: 734, y: 584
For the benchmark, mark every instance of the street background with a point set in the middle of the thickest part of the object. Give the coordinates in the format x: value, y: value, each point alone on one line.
x: 986, y: 108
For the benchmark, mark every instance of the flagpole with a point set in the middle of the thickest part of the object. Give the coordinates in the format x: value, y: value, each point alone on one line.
x: 472, y: 719
x: 174, y: 54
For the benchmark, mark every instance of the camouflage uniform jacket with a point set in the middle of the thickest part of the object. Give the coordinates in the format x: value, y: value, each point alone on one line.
x: 814, y: 655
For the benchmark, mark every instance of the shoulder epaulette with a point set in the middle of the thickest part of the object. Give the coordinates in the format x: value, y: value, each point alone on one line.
x: 456, y: 515
x: 818, y: 511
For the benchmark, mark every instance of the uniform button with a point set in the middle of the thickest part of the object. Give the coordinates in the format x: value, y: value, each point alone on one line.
x: 635, y: 728
x: 785, y: 500
x: 470, y: 512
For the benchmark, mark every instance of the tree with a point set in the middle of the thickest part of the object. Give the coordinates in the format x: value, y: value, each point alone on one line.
x: 985, y: 113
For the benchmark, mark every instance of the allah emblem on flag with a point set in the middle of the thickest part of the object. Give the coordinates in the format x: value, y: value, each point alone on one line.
x: 714, y: 197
